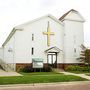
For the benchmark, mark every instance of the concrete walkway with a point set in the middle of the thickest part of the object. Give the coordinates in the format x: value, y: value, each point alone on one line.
x: 80, y: 75
x: 11, y: 73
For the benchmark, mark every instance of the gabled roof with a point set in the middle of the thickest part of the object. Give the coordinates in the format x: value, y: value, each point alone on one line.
x: 53, y: 49
x: 63, y: 16
x: 67, y: 13
x: 20, y: 27
x: 49, y: 15
x: 10, y: 35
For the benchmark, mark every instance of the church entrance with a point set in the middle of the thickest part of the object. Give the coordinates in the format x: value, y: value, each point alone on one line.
x: 52, y: 59
x: 52, y: 55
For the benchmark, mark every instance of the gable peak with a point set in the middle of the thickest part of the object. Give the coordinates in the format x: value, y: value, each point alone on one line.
x: 63, y: 17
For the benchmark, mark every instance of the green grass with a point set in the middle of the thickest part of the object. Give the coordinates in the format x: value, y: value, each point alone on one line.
x: 41, y: 73
x: 42, y: 77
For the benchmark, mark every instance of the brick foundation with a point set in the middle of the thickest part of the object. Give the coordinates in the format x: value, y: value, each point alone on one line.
x: 63, y: 66
x: 60, y: 65
x: 22, y: 65
x: 45, y: 65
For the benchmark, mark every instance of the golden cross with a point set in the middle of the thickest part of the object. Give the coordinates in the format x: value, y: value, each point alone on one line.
x: 48, y: 33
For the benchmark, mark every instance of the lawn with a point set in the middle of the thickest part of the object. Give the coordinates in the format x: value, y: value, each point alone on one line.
x: 42, y: 77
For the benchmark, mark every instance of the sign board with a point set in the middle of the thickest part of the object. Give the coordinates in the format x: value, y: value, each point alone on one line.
x: 37, y: 62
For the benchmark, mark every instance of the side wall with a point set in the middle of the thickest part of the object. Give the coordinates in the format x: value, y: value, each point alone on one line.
x: 9, y: 51
x: 8, y: 55
x: 73, y: 38
x: 1, y: 53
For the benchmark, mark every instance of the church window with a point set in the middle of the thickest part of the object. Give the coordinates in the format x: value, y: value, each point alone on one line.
x: 32, y: 37
x: 32, y: 50
x: 75, y: 50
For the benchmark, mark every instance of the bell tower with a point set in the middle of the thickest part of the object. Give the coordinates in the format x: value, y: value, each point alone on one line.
x: 73, y: 35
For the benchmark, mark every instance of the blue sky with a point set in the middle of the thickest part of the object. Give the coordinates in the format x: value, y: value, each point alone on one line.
x: 15, y: 12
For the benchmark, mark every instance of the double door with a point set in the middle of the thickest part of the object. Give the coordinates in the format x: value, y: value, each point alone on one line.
x: 52, y: 59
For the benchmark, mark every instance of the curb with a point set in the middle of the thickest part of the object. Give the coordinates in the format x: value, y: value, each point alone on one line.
x: 44, y: 84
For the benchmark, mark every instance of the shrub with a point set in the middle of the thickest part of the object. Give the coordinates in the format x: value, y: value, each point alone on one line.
x: 78, y: 68
x: 47, y: 69
x: 38, y: 69
x: 30, y: 69
x: 74, y: 68
x: 27, y: 69
x: 86, y: 68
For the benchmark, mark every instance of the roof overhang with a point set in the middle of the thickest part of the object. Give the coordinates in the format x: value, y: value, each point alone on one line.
x: 53, y: 49
x: 11, y: 34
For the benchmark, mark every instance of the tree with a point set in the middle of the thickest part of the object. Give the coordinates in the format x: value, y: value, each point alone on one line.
x: 85, y: 55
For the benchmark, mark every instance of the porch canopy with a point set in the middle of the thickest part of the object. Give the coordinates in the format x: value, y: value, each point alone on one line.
x: 53, y: 49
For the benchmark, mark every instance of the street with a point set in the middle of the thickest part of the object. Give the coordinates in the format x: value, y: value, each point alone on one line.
x: 58, y: 86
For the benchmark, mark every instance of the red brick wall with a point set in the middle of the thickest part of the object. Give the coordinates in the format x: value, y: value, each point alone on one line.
x: 63, y: 66
x: 60, y: 65
x: 22, y: 65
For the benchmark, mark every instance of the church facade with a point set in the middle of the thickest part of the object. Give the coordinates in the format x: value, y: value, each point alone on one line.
x: 44, y: 41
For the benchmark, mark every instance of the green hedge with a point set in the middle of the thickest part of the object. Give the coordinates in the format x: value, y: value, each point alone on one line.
x: 77, y: 68
x: 30, y: 69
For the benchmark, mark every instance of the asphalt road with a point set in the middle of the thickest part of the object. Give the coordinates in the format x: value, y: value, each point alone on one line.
x: 68, y: 86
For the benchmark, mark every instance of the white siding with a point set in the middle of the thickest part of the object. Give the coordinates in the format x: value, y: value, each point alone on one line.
x: 1, y: 53
x: 9, y: 55
x: 24, y: 43
x: 73, y: 38
x: 22, y: 46
x: 74, y: 16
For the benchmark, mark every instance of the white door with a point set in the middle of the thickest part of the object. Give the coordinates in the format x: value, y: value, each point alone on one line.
x: 52, y: 58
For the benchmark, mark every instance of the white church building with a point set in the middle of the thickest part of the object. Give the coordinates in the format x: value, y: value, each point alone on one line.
x: 46, y: 41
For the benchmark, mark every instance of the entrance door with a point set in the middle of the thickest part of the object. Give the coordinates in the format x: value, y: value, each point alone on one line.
x: 52, y: 59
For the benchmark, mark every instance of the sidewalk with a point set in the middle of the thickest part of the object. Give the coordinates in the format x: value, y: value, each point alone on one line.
x: 44, y: 84
x: 4, y: 73
x: 77, y: 85
x: 80, y: 75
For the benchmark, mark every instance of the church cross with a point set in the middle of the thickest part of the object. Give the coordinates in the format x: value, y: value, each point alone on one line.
x: 48, y: 33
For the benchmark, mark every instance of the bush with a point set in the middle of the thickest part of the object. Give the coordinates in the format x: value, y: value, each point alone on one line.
x: 73, y: 68
x: 86, y: 68
x: 47, y: 69
x: 27, y: 69
x: 30, y: 69
x: 78, y: 68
